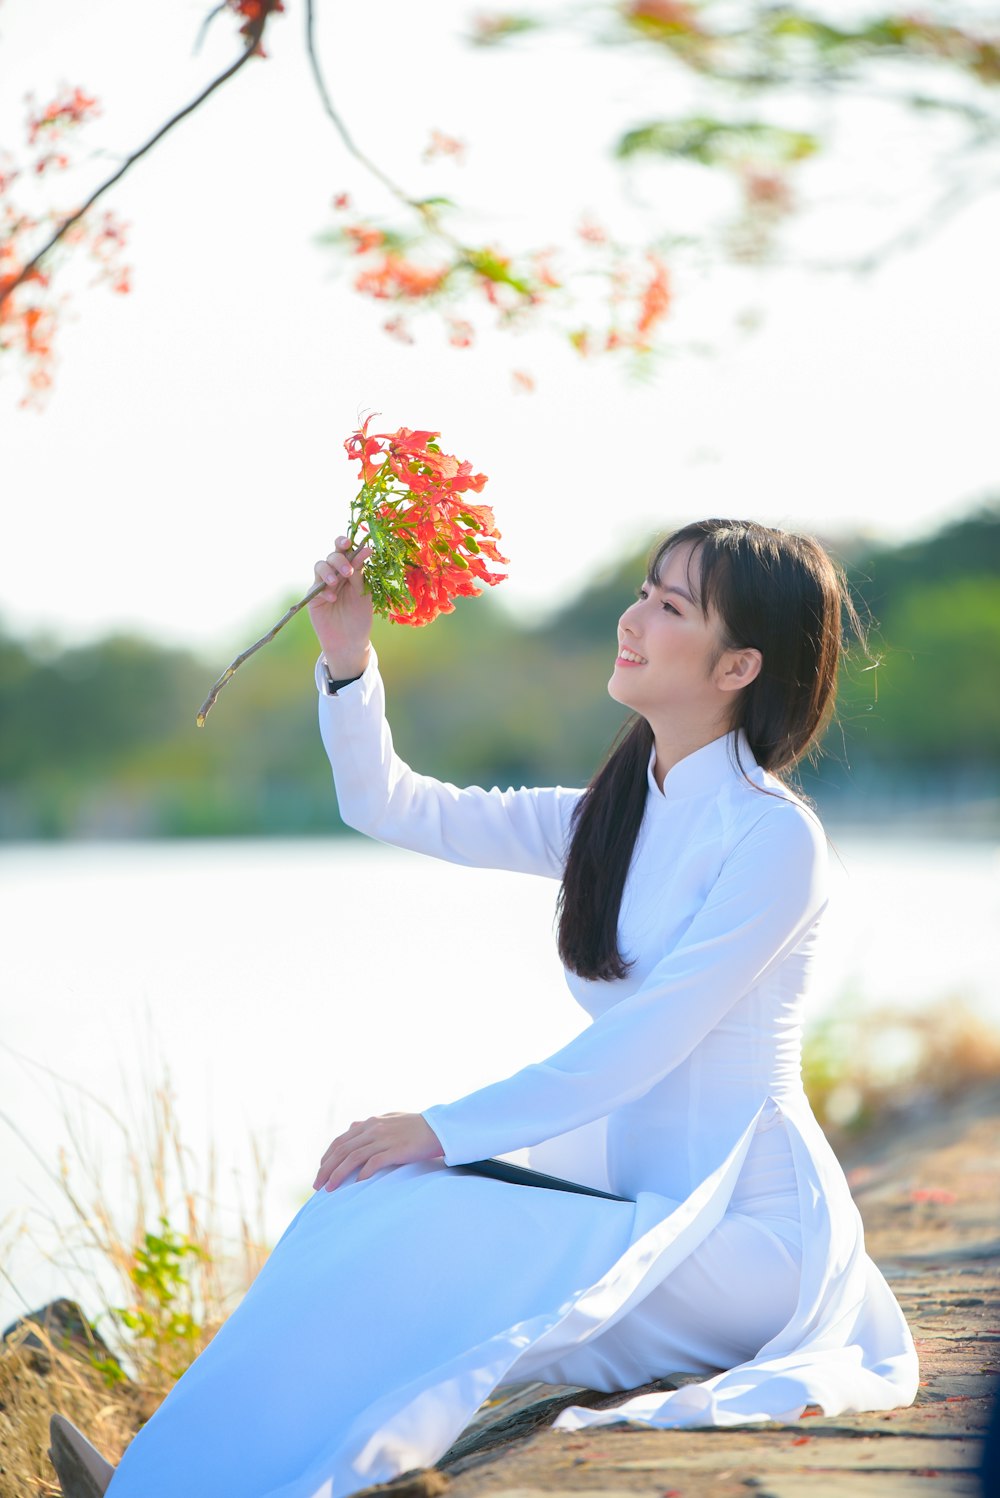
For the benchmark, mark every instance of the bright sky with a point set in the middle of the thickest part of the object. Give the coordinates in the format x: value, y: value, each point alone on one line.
x: 188, y: 467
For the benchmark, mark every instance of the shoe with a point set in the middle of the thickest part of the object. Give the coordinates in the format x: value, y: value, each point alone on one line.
x: 81, y: 1469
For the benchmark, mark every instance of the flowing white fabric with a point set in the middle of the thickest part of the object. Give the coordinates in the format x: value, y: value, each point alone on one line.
x: 392, y: 1307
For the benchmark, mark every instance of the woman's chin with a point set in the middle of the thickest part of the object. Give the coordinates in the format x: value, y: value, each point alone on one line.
x: 618, y: 689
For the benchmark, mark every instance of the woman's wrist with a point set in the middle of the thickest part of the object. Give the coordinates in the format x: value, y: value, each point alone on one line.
x: 346, y: 665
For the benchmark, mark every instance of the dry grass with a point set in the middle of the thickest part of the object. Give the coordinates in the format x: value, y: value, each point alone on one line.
x: 866, y: 1067
x: 163, y: 1276
x: 35, y: 1382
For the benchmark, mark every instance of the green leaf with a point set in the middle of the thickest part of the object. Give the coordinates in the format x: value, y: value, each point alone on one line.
x: 494, y: 30
x: 714, y: 142
x: 487, y: 264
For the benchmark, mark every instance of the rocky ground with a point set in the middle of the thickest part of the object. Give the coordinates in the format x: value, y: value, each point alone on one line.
x: 927, y: 1186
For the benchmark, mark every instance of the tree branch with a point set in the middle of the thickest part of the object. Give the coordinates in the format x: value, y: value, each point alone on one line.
x: 253, y: 37
x: 231, y: 669
x: 425, y: 210
x: 931, y: 222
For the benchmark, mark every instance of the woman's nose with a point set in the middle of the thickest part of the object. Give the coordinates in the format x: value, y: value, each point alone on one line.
x: 625, y: 620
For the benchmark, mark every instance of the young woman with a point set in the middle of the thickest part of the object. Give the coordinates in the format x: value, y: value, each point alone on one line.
x: 692, y: 884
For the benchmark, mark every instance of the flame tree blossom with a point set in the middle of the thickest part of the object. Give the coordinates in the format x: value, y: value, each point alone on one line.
x: 429, y: 542
x: 29, y: 308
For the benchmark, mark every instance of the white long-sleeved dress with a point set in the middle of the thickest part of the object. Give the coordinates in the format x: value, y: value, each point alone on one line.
x: 392, y: 1307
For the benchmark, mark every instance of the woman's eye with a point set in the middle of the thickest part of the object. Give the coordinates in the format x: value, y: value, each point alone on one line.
x: 671, y: 608
x: 641, y: 593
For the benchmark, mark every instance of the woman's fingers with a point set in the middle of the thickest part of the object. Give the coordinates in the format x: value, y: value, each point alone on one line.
x: 332, y: 571
x: 332, y: 1177
x: 339, y: 1149
x: 390, y: 1139
x: 340, y: 565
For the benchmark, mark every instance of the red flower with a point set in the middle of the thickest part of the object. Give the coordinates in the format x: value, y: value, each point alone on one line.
x: 252, y: 11
x: 655, y: 298
x: 767, y: 191
x: 444, y: 145
x: 419, y: 514
x: 460, y: 332
x: 671, y: 15
x: 590, y: 231
x: 397, y: 328
x: 364, y: 236
x: 70, y: 108
x: 395, y: 276
x: 364, y: 448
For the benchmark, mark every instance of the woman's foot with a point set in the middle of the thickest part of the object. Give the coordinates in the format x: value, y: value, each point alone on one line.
x: 81, y: 1469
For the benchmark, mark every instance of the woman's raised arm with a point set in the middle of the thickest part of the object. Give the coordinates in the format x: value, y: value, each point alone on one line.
x: 524, y: 830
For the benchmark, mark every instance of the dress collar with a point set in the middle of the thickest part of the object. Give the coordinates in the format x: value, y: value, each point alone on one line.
x: 706, y: 770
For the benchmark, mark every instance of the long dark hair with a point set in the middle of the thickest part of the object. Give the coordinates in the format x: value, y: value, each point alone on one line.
x: 773, y: 591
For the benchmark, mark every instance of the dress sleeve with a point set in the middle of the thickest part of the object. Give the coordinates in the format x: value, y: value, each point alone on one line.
x: 523, y: 830
x: 770, y: 891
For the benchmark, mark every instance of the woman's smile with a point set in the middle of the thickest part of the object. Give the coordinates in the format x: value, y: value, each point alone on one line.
x: 630, y: 658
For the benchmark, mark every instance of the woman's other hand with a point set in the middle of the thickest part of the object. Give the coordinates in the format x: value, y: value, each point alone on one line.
x: 388, y: 1139
x: 342, y: 614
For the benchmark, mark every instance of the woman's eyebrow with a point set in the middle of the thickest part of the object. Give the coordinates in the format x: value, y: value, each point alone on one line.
x: 664, y: 588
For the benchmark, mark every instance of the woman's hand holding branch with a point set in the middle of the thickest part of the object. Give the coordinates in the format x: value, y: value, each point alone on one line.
x: 342, y: 612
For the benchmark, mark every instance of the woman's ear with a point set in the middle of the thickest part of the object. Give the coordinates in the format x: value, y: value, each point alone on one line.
x: 738, y: 668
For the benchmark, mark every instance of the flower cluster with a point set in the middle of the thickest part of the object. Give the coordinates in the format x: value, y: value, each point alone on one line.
x: 429, y: 271
x: 429, y: 543
x: 29, y: 312
x: 254, y: 14
x: 46, y: 126
x: 638, y: 301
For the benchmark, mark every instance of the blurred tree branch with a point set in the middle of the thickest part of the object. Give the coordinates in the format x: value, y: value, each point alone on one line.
x: 743, y: 77
x: 253, y: 34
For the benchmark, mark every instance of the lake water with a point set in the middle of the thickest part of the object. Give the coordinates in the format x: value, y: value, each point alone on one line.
x: 288, y: 987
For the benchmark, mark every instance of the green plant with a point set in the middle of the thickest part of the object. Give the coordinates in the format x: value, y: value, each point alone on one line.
x: 162, y: 1317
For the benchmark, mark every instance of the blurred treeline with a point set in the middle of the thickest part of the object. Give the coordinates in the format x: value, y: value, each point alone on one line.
x: 100, y: 740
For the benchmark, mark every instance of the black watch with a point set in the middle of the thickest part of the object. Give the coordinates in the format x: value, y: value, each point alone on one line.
x: 333, y: 687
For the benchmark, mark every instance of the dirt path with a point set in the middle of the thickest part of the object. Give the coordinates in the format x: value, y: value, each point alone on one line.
x: 929, y: 1192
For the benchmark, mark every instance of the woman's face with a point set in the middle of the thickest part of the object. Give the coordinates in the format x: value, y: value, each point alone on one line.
x: 668, y: 650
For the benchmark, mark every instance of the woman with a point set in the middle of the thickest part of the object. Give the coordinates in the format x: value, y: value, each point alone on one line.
x: 693, y: 882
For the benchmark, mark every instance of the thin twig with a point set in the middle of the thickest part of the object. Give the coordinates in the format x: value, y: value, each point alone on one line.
x: 338, y: 123
x: 206, y: 23
x: 206, y: 706
x: 252, y: 42
x: 425, y: 210
x: 932, y: 221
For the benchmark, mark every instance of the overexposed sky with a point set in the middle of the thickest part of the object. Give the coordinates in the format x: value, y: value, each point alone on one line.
x: 188, y: 467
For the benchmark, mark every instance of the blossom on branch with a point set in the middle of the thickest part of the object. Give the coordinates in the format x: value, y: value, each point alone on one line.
x: 444, y: 145
x: 254, y: 13
x: 71, y: 107
x: 29, y: 311
x: 429, y: 543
